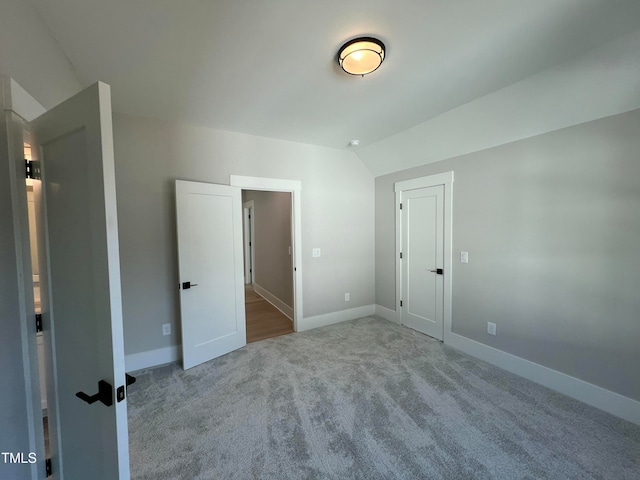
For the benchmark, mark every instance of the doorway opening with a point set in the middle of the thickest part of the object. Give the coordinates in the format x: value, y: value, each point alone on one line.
x: 268, y: 264
x: 293, y: 188
x: 34, y: 202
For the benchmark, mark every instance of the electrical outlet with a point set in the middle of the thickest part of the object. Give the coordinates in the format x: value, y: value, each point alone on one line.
x: 491, y: 328
x: 166, y: 329
x: 464, y: 257
x: 315, y: 252
x: 347, y: 297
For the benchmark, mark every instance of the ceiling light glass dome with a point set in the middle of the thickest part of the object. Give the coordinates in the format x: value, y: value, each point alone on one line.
x: 361, y: 56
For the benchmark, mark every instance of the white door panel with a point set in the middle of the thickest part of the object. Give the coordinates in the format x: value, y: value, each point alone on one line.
x: 209, y: 221
x: 83, y: 314
x: 423, y: 254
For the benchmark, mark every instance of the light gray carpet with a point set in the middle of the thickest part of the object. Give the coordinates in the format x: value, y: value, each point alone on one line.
x: 365, y: 399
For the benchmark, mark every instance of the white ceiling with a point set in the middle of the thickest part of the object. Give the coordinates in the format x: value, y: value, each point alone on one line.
x: 267, y: 67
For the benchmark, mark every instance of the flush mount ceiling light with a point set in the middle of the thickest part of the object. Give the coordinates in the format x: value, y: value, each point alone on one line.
x: 361, y: 56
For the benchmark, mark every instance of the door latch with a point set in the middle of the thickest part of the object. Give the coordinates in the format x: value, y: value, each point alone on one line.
x: 120, y: 392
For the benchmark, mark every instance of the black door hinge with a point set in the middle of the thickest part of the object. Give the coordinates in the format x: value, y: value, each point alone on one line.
x: 400, y: 302
x: 32, y: 169
x: 400, y: 254
x: 400, y: 206
x: 47, y: 467
x: 38, y: 322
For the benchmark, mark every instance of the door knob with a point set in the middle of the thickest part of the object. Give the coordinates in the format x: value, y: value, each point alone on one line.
x: 438, y: 271
x: 186, y: 285
x: 105, y: 394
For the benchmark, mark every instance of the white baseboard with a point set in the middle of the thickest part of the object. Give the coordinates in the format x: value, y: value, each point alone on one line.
x: 387, y: 314
x: 152, y: 358
x: 611, y: 402
x: 273, y: 300
x: 317, y: 321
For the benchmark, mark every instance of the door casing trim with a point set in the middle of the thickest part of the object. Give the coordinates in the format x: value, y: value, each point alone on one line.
x: 249, y: 243
x: 295, y: 188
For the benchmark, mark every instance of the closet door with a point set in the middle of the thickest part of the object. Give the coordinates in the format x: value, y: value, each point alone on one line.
x: 423, y: 260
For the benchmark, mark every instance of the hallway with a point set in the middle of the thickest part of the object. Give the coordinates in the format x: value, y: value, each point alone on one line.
x: 263, y: 319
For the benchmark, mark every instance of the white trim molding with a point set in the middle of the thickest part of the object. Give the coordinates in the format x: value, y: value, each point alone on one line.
x: 18, y: 100
x: 610, y: 402
x: 387, y: 314
x: 265, y: 184
x: 152, y: 358
x: 446, y: 179
x: 317, y: 321
x: 423, y: 182
x: 285, y: 309
x: 295, y: 188
x: 249, y: 242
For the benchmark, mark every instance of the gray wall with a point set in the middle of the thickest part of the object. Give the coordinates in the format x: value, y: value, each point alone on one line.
x: 552, y: 227
x: 273, y: 268
x: 337, y: 216
x: 32, y: 56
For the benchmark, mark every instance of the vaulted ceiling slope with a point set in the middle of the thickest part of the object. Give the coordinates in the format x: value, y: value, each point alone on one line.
x: 268, y: 67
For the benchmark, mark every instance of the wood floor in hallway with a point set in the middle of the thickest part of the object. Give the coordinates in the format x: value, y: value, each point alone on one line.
x: 263, y: 319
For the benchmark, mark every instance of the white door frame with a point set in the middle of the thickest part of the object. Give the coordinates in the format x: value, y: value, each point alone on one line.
x: 16, y: 105
x: 249, y: 242
x: 445, y: 179
x: 295, y: 188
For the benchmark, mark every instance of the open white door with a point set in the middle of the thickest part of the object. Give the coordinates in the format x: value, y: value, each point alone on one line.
x: 210, y: 257
x: 83, y: 315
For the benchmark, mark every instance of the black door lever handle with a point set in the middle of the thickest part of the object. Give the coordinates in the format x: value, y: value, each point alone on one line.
x: 105, y: 394
x: 186, y: 285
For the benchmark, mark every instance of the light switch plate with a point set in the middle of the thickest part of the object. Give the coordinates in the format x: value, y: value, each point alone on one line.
x: 316, y: 252
x: 464, y: 257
